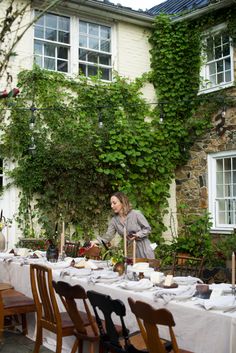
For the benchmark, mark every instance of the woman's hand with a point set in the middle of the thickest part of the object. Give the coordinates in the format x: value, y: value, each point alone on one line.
x: 94, y: 243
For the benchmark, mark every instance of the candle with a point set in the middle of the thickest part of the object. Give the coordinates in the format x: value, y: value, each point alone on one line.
x: 125, y: 242
x: 62, y: 237
x: 134, y: 251
x: 233, y: 270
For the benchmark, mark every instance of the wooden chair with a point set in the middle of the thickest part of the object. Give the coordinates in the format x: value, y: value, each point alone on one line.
x: 14, y: 304
x: 148, y: 320
x: 184, y: 265
x: 84, y: 332
x: 71, y: 249
x: 112, y: 340
x: 48, y: 315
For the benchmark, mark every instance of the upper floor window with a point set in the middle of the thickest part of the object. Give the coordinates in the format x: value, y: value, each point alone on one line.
x: 217, y: 71
x: 95, y: 50
x: 222, y: 189
x: 52, y: 42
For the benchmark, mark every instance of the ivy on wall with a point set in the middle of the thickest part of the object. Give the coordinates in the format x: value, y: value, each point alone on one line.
x: 77, y: 164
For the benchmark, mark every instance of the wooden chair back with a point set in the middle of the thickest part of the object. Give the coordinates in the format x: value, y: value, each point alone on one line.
x: 14, y: 304
x: 111, y: 339
x: 185, y: 265
x: 71, y: 249
x: 148, y: 320
x: 48, y: 315
x: 68, y: 295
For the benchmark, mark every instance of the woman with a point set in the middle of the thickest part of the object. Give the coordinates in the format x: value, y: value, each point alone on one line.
x: 133, y: 221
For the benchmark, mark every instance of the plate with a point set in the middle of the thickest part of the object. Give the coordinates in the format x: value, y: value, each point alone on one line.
x: 139, y: 286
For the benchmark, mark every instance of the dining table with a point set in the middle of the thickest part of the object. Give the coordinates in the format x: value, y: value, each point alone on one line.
x: 202, y: 325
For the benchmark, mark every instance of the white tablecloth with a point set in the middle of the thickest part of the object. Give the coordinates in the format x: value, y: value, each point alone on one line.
x: 197, y: 329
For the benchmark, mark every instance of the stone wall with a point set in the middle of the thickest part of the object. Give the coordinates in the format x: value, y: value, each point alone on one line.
x: 192, y: 178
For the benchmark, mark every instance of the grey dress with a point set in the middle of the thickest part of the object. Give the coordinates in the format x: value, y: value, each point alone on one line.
x: 137, y: 223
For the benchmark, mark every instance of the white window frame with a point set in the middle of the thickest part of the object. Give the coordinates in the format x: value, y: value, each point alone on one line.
x: 56, y: 44
x: 212, y: 197
x: 206, y: 86
x: 73, y: 46
x: 97, y: 51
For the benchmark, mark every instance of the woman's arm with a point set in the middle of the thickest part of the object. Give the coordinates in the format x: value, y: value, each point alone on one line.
x: 144, y: 225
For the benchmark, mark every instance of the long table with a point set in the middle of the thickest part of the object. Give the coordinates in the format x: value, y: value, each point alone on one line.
x: 197, y: 329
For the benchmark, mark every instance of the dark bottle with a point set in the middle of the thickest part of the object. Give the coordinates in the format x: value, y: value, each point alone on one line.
x: 52, y: 252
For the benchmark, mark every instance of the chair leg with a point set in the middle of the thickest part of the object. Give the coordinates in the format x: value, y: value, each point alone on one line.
x: 59, y: 344
x: 75, y: 346
x: 39, y: 338
x: 1, y: 326
x: 81, y: 343
x: 24, y: 324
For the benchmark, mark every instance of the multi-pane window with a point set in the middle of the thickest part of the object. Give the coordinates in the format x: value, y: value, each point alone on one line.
x: 218, y: 66
x: 223, y: 190
x: 95, y: 50
x: 52, y: 42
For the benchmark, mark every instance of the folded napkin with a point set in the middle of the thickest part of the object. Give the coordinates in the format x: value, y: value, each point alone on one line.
x: 86, y: 264
x: 218, y: 303
x: 139, y: 286
x: 188, y: 280
x: 76, y: 272
x: 6, y: 255
x: 57, y: 265
x: 104, y: 277
x: 180, y: 293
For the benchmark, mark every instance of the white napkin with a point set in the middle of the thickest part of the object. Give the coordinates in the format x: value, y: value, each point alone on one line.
x: 138, y: 286
x: 104, y: 277
x: 6, y: 255
x: 76, y: 272
x: 57, y: 265
x: 188, y: 280
x: 218, y: 303
x: 180, y: 293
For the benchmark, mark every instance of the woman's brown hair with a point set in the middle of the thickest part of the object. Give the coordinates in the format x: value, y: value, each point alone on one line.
x: 127, y: 207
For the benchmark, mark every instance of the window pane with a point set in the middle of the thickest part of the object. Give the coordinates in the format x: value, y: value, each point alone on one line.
x: 227, y: 163
x: 225, y: 38
x: 93, y: 57
x: 62, y: 53
x: 38, y: 61
x: 226, y: 50
x: 220, y: 66
x: 39, y: 32
x: 218, y: 53
x: 105, y: 46
x: 92, y: 71
x: 219, y: 178
x: 63, y: 37
x: 49, y: 50
x: 93, y: 29
x: 93, y: 43
x: 62, y: 66
x: 228, y: 76
x: 83, y: 41
x: 220, y: 78
x: 104, y: 59
x: 234, y: 163
x: 82, y: 69
x: 212, y: 68
x: 219, y: 191
x: 82, y: 54
x: 51, y: 21
x: 227, y: 64
x: 106, y: 74
x: 227, y: 177
x: 105, y: 32
x: 51, y: 34
x: 83, y: 27
x: 234, y: 190
x: 219, y: 165
x: 210, y: 49
x: 63, y: 24
x: 40, y: 20
x: 49, y: 64
x: 38, y: 48
x: 213, y: 80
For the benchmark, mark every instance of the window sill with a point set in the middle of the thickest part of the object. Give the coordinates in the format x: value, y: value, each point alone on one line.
x: 222, y: 231
x: 216, y: 88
